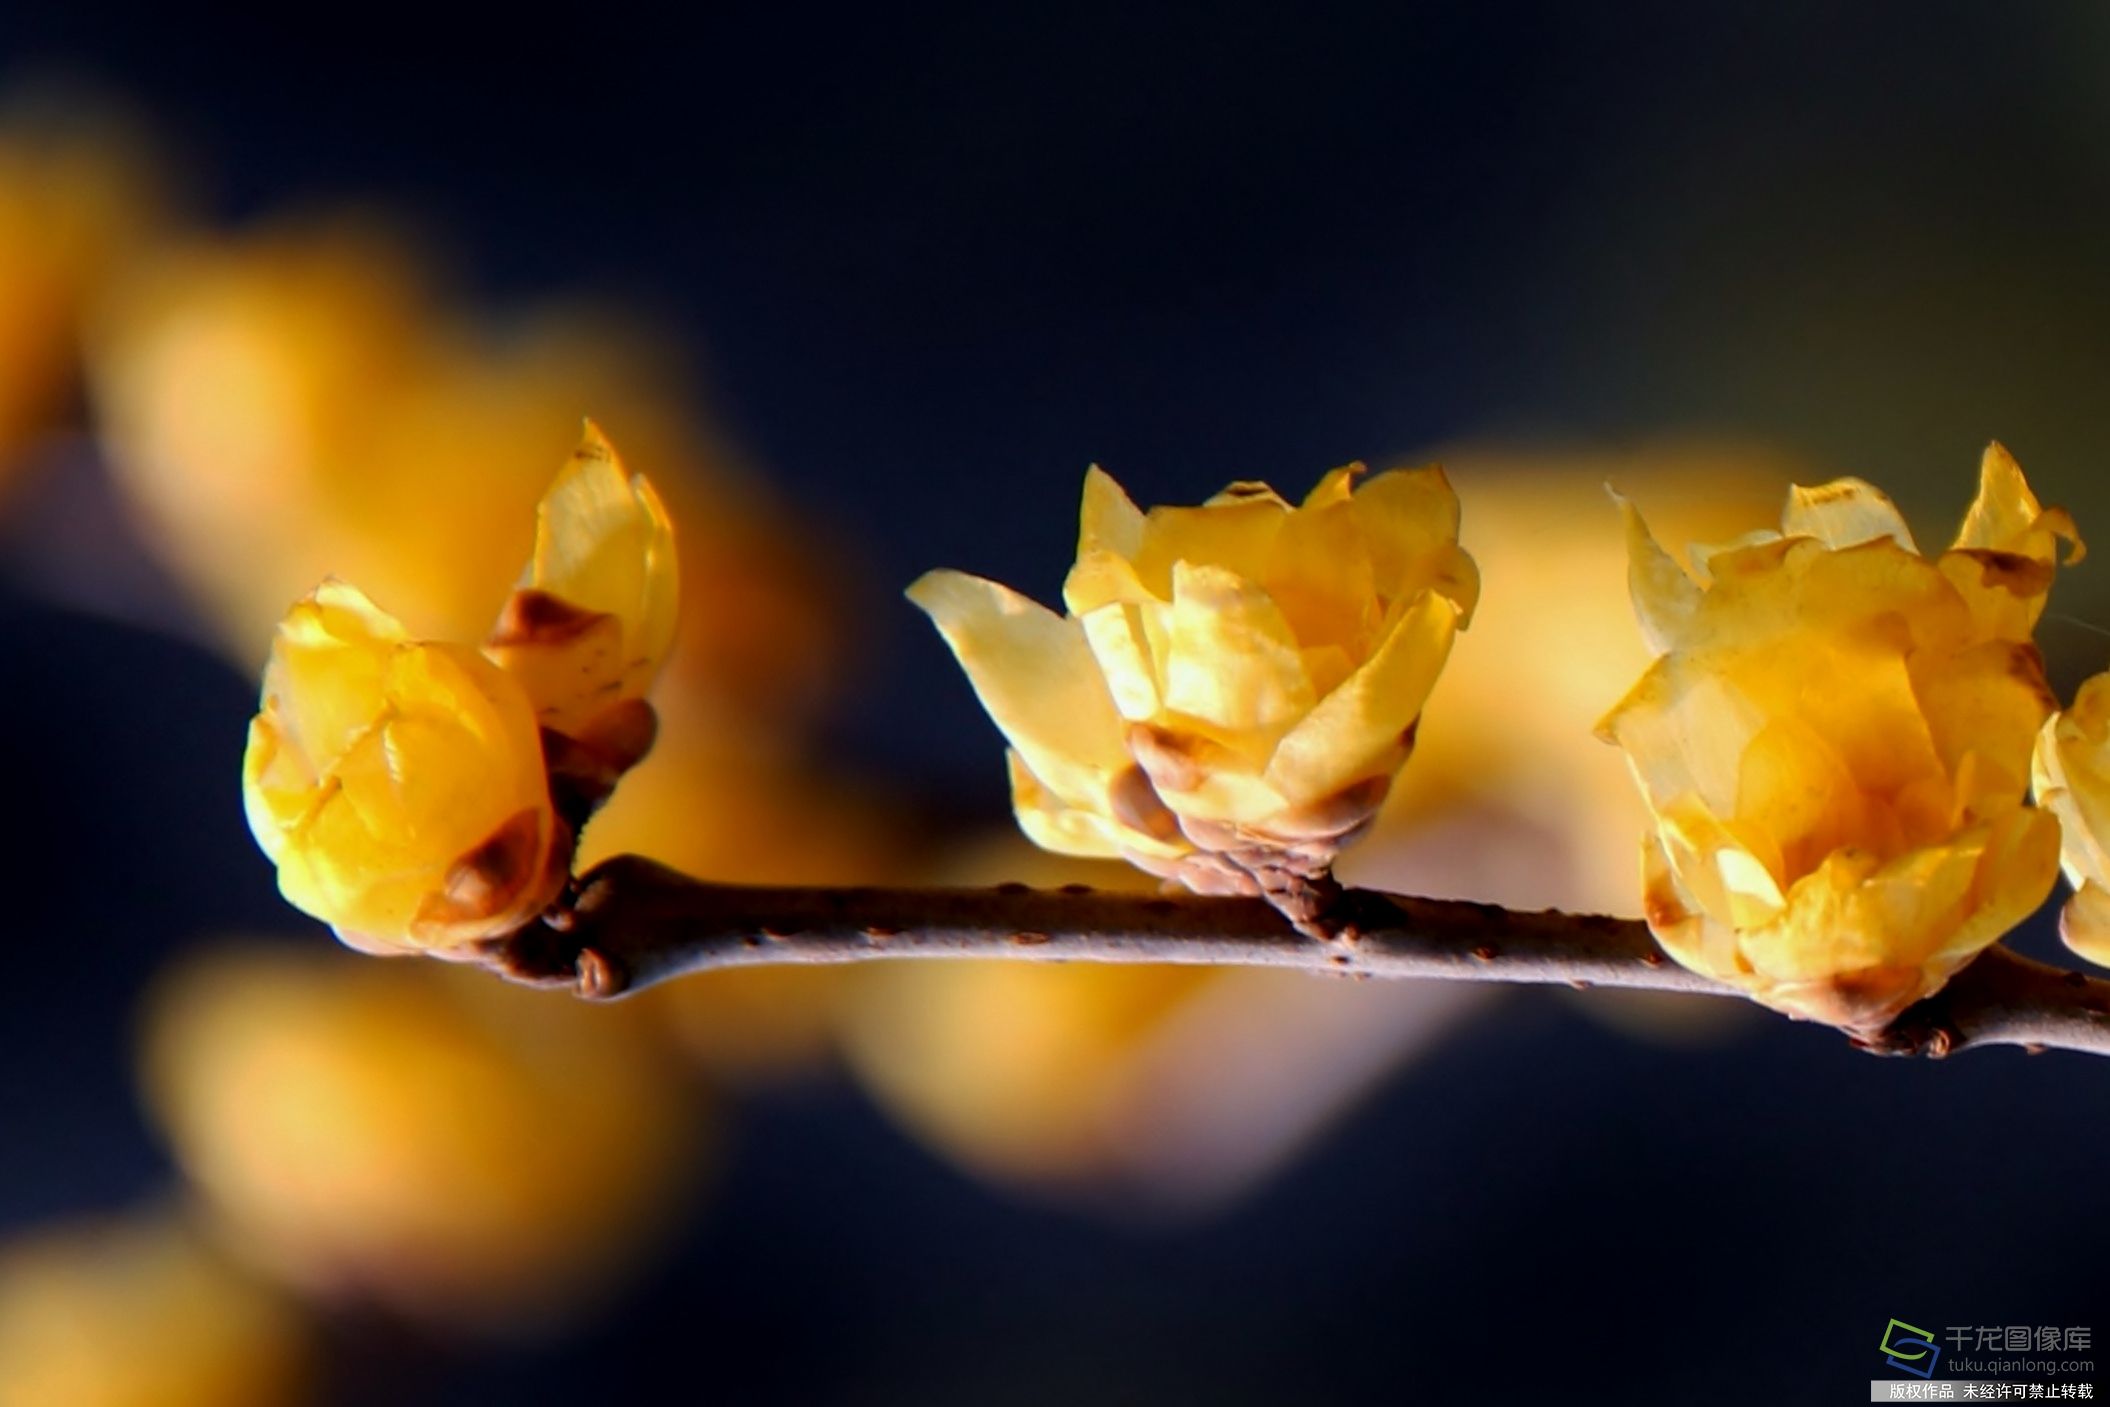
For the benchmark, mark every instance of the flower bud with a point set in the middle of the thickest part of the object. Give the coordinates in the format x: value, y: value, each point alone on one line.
x: 1834, y: 745
x: 1234, y: 686
x: 398, y: 785
x: 592, y: 619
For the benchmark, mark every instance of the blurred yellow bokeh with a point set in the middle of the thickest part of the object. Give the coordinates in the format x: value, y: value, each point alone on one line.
x: 307, y: 392
x: 140, y: 1311
x: 1146, y: 1091
x: 1509, y: 797
x: 1018, y: 1070
x: 75, y: 202
x: 754, y: 808
x: 416, y: 1135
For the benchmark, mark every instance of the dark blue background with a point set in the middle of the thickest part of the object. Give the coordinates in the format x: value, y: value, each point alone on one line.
x: 939, y: 261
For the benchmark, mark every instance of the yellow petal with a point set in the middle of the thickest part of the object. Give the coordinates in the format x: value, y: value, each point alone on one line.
x: 1232, y: 660
x: 1108, y: 520
x: 1051, y: 823
x: 1680, y: 925
x: 1035, y: 674
x: 1717, y: 865
x: 1822, y: 957
x: 2085, y: 923
x: 1054, y: 825
x: 1410, y: 520
x: 1366, y: 722
x: 1988, y: 702
x: 1125, y: 640
x: 1243, y: 491
x: 2006, y: 517
x: 1795, y: 789
x: 1845, y: 513
x: 1684, y: 730
x: 573, y: 662
x: 1666, y: 599
x: 2018, y: 865
x: 326, y: 668
x: 1201, y: 779
x: 1323, y: 579
x: 605, y: 545
x: 1336, y: 487
x: 1110, y: 537
x: 1233, y: 531
x: 2006, y: 553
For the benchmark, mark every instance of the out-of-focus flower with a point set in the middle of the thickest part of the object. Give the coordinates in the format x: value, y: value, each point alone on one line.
x: 752, y: 809
x: 139, y: 1312
x: 418, y: 796
x: 1510, y: 800
x: 398, y: 785
x: 448, y: 1146
x: 1835, y: 746
x: 1235, y: 685
x: 1023, y: 1071
x: 2072, y: 776
x: 75, y: 202
x: 305, y: 392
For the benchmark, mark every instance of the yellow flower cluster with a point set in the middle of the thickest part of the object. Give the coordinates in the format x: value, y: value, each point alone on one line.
x: 1835, y: 743
x: 1234, y: 686
x: 423, y: 796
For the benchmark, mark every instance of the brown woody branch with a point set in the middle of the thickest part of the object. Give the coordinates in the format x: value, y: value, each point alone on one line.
x: 631, y: 923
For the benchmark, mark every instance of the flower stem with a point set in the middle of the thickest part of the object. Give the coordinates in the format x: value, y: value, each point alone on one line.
x: 632, y: 923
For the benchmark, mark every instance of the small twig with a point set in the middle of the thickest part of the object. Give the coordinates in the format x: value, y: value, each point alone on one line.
x: 633, y: 923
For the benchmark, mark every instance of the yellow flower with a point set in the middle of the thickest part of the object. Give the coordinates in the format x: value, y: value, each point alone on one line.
x: 444, y: 1145
x: 398, y: 785
x: 1234, y: 686
x: 2072, y: 775
x: 1835, y: 743
x: 420, y: 796
x: 138, y: 1312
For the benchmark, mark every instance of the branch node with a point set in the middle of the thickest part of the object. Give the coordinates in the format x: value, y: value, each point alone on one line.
x: 599, y: 978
